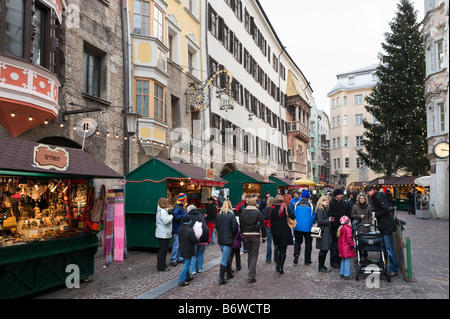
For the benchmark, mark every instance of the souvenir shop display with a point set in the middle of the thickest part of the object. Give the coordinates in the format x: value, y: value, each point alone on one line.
x: 41, y: 209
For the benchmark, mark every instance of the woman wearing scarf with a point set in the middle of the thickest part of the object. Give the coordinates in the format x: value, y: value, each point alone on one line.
x: 281, y: 232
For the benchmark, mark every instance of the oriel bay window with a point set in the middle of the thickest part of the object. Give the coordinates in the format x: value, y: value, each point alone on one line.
x: 27, y: 30
x: 148, y: 19
x: 147, y: 91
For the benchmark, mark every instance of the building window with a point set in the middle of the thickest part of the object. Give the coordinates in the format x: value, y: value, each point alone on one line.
x: 345, y: 121
x: 442, y: 117
x: 358, y: 119
x: 359, y: 163
x: 141, y: 17
x: 351, y: 80
x: 346, y: 141
x: 347, y: 162
x: 359, y: 141
x: 91, y: 66
x: 358, y: 99
x: 338, y: 121
x: 13, y: 26
x: 142, y: 97
x: 158, y: 24
x: 190, y: 63
x: 158, y: 102
x: 189, y: 5
x: 170, y: 43
x: 440, y: 54
x: 212, y: 23
x: 344, y: 100
x: 39, y: 35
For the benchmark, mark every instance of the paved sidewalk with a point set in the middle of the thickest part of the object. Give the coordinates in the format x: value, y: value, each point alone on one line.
x: 137, y: 276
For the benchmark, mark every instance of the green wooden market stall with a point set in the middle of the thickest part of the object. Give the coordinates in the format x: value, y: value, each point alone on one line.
x: 242, y: 182
x: 280, y: 183
x: 45, y: 210
x: 153, y: 180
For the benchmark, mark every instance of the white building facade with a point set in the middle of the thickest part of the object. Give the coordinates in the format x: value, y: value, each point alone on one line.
x: 435, y: 32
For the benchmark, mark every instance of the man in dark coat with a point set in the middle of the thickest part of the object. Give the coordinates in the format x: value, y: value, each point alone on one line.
x: 187, y: 242
x: 386, y: 224
x: 337, y: 210
x: 211, y: 217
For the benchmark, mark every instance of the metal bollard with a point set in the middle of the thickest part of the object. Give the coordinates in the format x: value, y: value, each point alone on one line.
x: 408, y: 254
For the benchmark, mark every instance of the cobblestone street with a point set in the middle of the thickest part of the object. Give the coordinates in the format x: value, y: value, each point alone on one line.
x: 137, y: 276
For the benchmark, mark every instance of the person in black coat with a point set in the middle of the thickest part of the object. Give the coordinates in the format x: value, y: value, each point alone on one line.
x: 197, y: 260
x: 227, y: 228
x: 386, y: 223
x: 388, y: 195
x: 281, y: 232
x: 337, y: 210
x: 210, y: 217
x: 187, y: 240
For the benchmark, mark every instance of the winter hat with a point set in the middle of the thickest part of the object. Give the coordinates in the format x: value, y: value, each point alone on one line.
x: 181, y: 197
x: 305, y: 194
x: 186, y: 219
x: 190, y: 208
x: 344, y: 220
x: 338, y: 191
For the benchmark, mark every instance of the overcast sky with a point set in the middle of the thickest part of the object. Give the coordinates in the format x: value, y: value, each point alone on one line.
x: 328, y: 37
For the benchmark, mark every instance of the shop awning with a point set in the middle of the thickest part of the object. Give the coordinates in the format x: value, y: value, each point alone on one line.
x: 246, y: 177
x: 406, y: 180
x: 25, y: 158
x: 158, y: 170
x: 385, y: 180
x: 281, y: 181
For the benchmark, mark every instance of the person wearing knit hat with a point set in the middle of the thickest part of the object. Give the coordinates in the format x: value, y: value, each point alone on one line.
x: 179, y: 210
x: 181, y: 198
x: 346, y: 246
x: 305, y: 214
x: 305, y: 194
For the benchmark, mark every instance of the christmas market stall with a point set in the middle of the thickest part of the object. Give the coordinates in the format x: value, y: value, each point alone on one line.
x: 46, y: 201
x: 280, y: 183
x: 248, y: 183
x: 399, y: 187
x: 160, y: 178
x: 402, y: 186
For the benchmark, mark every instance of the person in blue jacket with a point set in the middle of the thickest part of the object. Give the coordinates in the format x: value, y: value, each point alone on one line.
x: 305, y: 216
x: 179, y: 210
x: 294, y: 200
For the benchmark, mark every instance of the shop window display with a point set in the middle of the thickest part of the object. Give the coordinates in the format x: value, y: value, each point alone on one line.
x: 41, y: 209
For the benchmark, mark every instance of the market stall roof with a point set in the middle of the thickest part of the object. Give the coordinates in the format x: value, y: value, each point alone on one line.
x: 406, y: 180
x: 20, y: 157
x: 385, y: 180
x: 282, y: 181
x: 246, y: 177
x: 157, y: 170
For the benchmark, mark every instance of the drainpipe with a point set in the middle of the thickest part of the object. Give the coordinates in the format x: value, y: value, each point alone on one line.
x: 126, y: 87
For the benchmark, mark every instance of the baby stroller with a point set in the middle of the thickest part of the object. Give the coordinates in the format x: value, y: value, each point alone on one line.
x: 367, y: 242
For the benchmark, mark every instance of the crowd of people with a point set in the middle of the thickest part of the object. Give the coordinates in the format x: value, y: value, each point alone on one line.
x: 279, y: 221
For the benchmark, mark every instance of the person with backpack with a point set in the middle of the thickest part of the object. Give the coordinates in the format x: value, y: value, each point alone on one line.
x: 305, y: 216
x: 200, y: 226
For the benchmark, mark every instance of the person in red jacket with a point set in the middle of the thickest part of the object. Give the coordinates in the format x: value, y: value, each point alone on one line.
x: 346, y: 246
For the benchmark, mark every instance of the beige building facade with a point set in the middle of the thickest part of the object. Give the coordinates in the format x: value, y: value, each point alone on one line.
x: 347, y: 113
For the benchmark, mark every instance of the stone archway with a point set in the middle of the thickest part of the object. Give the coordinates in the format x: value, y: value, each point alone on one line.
x: 60, y: 141
x: 227, y: 168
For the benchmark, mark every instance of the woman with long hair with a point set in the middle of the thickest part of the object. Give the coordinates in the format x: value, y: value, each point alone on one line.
x: 227, y: 229
x: 281, y: 232
x: 323, y: 221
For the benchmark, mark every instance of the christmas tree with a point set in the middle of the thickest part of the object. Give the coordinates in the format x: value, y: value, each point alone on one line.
x: 396, y: 141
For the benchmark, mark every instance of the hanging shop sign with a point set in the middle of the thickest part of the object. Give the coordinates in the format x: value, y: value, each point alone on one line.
x: 47, y: 158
